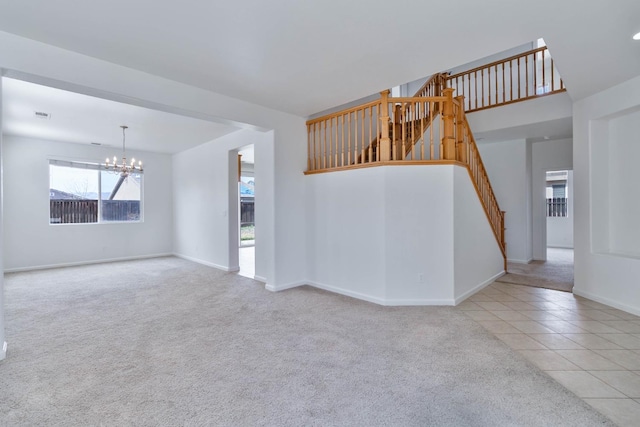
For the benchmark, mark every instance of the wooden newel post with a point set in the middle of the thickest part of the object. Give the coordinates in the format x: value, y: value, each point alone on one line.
x: 461, y: 149
x: 385, y: 141
x: 448, y: 138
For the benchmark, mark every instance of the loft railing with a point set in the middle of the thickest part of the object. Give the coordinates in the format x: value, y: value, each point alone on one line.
x: 517, y: 78
x: 394, y: 131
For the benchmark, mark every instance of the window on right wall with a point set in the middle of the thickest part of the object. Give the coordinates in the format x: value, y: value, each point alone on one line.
x: 557, y: 200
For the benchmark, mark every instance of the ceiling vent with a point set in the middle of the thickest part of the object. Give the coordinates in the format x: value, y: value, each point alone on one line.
x: 42, y: 115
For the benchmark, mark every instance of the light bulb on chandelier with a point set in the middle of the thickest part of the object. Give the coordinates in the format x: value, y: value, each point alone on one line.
x: 123, y: 169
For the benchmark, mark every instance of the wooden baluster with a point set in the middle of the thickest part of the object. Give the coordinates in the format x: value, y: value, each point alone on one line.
x: 502, y: 238
x: 503, y: 84
x: 448, y: 140
x: 363, y: 141
x: 544, y: 81
x: 422, y: 117
x: 495, y: 69
x: 356, y: 139
x: 336, y: 154
x: 432, y: 106
x: 379, y: 109
x: 317, y: 154
x: 348, y: 131
x: 519, y: 90
x: 535, y: 74
x: 324, y: 144
x: 397, y: 117
x: 526, y: 75
x: 511, y: 80
x: 308, y: 147
x: 412, y: 122
x: 385, y: 142
x: 342, y: 137
x: 553, y: 85
x: 370, y: 137
x: 461, y: 152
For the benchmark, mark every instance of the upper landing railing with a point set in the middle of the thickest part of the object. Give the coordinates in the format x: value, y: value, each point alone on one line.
x: 528, y: 75
x: 517, y: 78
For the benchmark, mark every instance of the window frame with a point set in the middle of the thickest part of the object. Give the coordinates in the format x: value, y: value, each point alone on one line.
x: 99, y: 168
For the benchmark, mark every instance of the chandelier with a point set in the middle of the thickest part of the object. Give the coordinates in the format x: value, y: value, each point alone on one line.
x: 123, y: 169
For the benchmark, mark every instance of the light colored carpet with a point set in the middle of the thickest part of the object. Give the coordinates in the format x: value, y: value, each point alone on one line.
x: 168, y: 342
x: 554, y: 273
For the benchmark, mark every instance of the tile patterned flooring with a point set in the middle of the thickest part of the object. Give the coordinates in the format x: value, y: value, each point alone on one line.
x: 590, y: 348
x: 246, y: 260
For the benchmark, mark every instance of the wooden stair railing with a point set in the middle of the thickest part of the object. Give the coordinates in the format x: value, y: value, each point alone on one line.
x: 466, y: 151
x: 410, y: 122
x: 433, y: 86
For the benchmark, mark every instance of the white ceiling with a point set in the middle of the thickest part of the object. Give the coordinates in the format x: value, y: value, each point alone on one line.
x: 306, y: 56
x: 85, y: 120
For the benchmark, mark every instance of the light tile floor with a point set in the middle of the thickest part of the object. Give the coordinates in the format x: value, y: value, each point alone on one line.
x: 590, y: 348
x: 247, y: 262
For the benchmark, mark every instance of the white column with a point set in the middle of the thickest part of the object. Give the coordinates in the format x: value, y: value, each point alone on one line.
x: 3, y: 342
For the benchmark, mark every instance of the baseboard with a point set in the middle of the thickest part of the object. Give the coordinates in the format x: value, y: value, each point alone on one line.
x: 3, y: 352
x: 520, y: 261
x: 260, y: 279
x: 347, y: 292
x: 404, y: 302
x: 606, y: 301
x: 478, y: 288
x: 91, y: 262
x: 278, y: 288
x: 381, y: 301
x: 207, y: 263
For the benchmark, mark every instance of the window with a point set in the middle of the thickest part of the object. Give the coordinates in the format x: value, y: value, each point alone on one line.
x: 557, y: 200
x: 81, y: 193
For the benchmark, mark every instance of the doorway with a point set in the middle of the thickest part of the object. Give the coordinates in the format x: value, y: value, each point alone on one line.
x: 556, y: 270
x: 246, y: 222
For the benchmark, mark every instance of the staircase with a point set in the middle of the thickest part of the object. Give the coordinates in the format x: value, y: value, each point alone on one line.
x: 431, y: 126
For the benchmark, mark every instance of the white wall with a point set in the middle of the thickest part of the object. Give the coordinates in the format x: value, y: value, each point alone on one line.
x: 383, y: 235
x: 205, y: 194
x: 31, y: 242
x: 346, y: 232
x: 507, y: 164
x: 22, y: 58
x: 3, y: 343
x: 521, y: 115
x: 600, y: 121
x: 624, y: 180
x: 477, y: 257
x: 418, y: 219
x: 547, y: 156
